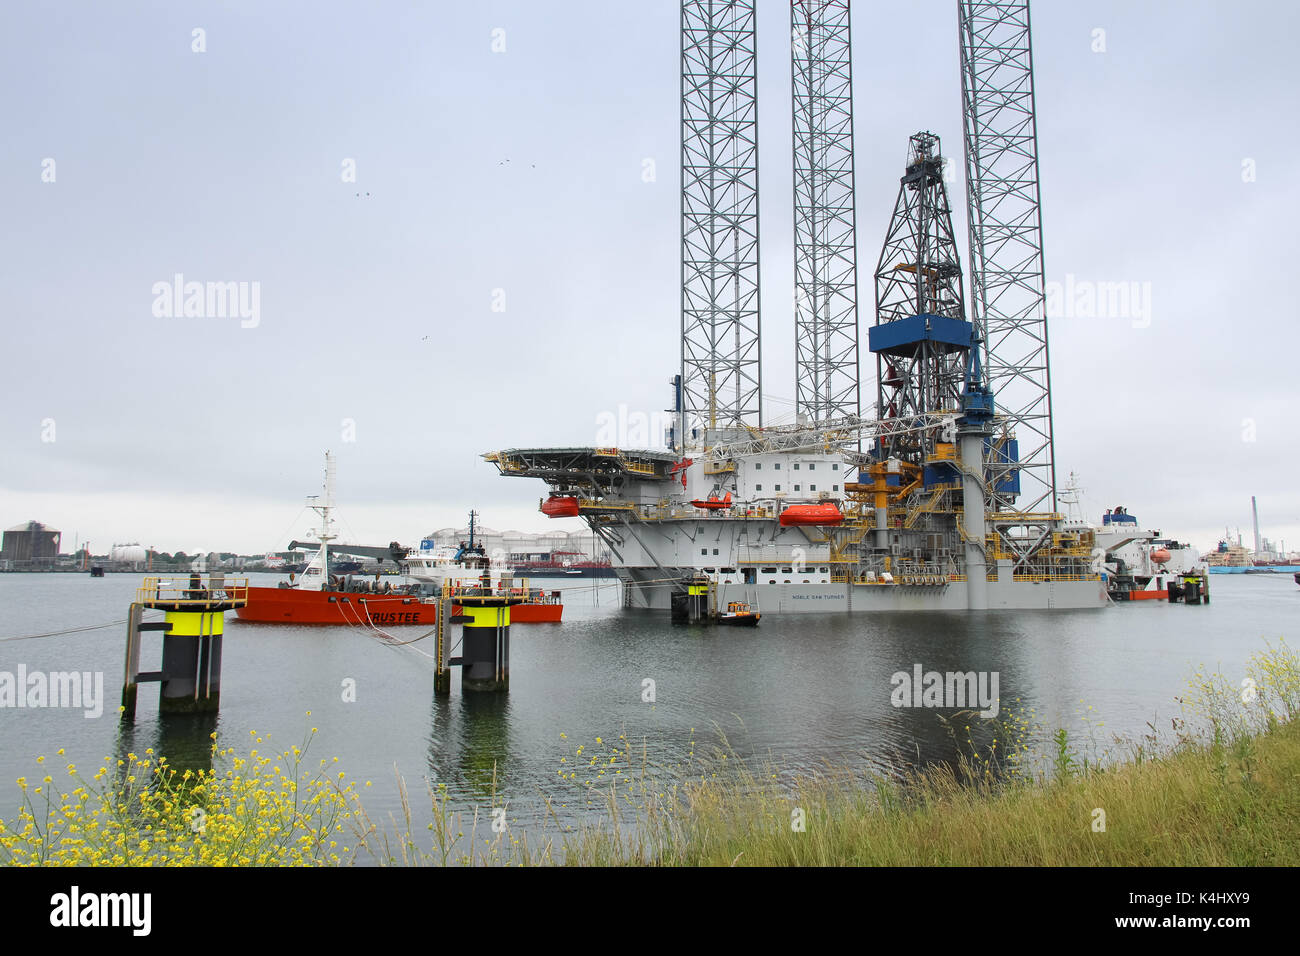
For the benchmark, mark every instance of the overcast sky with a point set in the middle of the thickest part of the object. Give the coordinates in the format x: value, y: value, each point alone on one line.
x: 1169, y: 158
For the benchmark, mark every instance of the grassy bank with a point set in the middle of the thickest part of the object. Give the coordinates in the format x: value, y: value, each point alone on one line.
x: 1217, y: 805
x: 1219, y: 787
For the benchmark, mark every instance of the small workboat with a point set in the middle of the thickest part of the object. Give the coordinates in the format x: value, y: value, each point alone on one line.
x: 739, y: 614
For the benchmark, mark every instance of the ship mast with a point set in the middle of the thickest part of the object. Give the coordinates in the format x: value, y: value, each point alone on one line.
x: 323, y: 505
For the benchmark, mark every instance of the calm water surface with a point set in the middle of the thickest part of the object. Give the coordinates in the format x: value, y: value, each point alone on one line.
x: 803, y: 691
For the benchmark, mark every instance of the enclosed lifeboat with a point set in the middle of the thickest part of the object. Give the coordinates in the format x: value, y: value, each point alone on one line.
x: 713, y: 503
x: 560, y: 506
x: 797, y: 515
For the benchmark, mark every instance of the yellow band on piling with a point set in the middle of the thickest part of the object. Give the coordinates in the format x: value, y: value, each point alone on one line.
x: 488, y: 616
x: 194, y: 623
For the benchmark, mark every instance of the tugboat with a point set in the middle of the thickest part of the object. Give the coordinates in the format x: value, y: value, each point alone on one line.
x: 739, y: 614
x: 319, y: 597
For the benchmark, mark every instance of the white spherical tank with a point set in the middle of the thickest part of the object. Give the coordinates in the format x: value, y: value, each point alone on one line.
x: 129, y: 553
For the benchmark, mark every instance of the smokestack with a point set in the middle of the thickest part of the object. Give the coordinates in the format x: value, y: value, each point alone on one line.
x: 1254, y: 511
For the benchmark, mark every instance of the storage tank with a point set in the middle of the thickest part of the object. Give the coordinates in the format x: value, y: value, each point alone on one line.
x: 29, y: 542
x: 128, y: 554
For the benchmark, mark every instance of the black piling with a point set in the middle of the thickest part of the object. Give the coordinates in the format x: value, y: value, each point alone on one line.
x: 1195, y: 589
x: 442, y: 662
x: 190, y: 679
x: 690, y: 602
x: 485, y: 642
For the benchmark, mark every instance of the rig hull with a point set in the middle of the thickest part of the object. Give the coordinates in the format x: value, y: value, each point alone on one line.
x: 911, y: 538
x: 643, y: 588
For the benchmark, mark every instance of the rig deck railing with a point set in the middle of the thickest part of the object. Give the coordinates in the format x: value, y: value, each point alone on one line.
x: 192, y: 591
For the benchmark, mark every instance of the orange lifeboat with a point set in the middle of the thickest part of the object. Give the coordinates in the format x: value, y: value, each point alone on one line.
x: 560, y: 506
x: 713, y: 503
x: 811, y: 515
x: 1161, y: 555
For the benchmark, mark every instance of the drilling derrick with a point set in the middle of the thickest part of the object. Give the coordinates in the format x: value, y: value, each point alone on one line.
x: 921, y: 337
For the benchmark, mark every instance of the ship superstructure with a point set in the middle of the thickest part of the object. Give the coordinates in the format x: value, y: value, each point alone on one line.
x: 914, y: 506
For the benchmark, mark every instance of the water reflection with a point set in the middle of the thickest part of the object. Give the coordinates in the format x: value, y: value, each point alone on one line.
x: 470, y: 743
x: 805, y: 692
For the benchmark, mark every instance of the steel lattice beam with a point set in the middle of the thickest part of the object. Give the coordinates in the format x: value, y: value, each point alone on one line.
x: 1006, y: 243
x: 825, y: 267
x: 721, y: 382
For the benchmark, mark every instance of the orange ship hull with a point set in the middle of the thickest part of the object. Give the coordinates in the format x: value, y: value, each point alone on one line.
x: 291, y: 606
x: 532, y: 613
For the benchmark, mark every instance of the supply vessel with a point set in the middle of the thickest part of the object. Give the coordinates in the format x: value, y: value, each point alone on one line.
x: 317, y: 596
